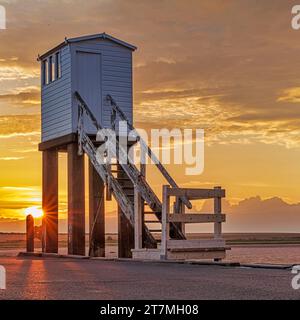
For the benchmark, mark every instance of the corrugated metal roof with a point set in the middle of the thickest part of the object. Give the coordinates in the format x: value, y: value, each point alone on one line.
x: 84, y: 38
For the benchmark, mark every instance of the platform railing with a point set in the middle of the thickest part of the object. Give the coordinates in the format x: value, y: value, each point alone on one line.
x: 177, y: 248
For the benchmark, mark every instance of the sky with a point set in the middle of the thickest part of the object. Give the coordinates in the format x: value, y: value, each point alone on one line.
x: 230, y: 67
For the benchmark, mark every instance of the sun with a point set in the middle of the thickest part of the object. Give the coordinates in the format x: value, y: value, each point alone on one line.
x: 36, y: 212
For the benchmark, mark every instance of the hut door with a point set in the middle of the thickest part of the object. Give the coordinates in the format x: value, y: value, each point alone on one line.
x: 89, y: 84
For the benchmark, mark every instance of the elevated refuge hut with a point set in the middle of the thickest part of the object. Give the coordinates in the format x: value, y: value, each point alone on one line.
x: 95, y: 66
x: 86, y: 86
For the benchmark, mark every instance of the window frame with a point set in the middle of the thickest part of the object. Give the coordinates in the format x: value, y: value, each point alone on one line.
x: 57, y: 65
x: 45, y: 77
x: 51, y: 68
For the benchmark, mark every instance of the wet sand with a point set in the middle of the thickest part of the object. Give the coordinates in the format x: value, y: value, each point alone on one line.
x: 54, y: 278
x: 267, y: 254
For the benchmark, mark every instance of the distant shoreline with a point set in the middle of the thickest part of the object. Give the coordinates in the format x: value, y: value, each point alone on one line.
x: 17, y: 240
x: 226, y: 234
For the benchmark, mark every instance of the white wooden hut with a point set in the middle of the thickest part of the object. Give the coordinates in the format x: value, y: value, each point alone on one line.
x: 94, y: 65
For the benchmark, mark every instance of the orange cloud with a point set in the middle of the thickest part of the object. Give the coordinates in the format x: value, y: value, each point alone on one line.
x: 23, y: 98
x: 19, y: 125
x: 290, y: 95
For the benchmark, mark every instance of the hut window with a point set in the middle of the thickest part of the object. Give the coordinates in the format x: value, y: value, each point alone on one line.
x: 50, y: 68
x: 57, y: 65
x: 53, y: 69
x: 45, y: 72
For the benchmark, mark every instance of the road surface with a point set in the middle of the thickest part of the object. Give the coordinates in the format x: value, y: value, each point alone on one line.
x: 58, y: 278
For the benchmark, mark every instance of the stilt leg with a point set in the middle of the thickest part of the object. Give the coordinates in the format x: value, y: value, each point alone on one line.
x: 97, y: 214
x: 76, y: 206
x: 29, y: 233
x: 125, y: 229
x: 50, y: 200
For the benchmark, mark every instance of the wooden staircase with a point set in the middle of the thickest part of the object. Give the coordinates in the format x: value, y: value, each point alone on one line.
x: 158, y: 233
x: 122, y: 178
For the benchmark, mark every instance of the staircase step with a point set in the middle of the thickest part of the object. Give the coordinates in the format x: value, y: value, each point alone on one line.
x: 151, y: 212
x: 117, y: 167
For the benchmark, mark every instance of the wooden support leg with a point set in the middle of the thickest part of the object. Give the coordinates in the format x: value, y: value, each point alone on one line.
x: 218, y: 210
x: 138, y: 220
x: 29, y: 233
x: 142, y: 204
x: 179, y: 207
x: 97, y: 214
x: 76, y: 208
x: 217, y: 225
x: 165, y: 228
x: 50, y: 200
x: 125, y: 237
x: 125, y: 229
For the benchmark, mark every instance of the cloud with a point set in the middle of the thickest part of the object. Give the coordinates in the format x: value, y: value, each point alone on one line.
x: 290, y: 95
x: 11, y: 73
x: 10, y: 158
x: 222, y: 125
x: 200, y: 64
x: 257, y: 215
x: 19, y: 125
x: 17, y: 188
x: 23, y: 98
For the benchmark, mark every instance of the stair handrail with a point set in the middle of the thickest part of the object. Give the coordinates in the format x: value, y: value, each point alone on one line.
x: 88, y: 111
x: 84, y: 108
x: 148, y: 150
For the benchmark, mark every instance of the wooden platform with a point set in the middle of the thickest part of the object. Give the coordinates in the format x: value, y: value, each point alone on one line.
x: 202, y: 251
x: 146, y: 254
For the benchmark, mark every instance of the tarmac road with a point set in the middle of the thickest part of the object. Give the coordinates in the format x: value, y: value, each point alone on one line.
x: 58, y: 278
